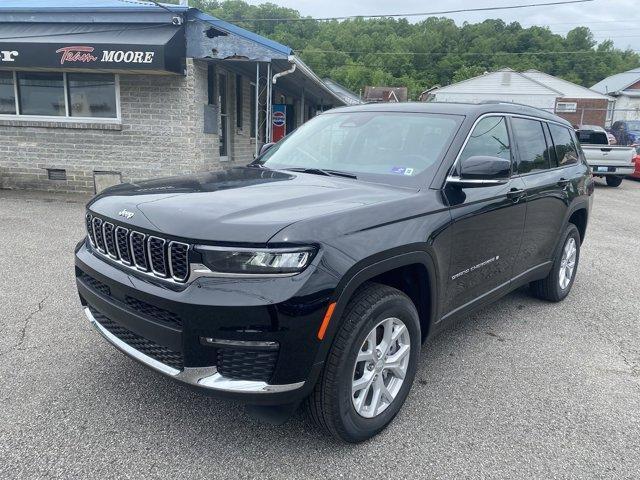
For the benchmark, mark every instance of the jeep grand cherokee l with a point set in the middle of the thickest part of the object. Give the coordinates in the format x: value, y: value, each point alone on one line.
x: 314, y: 274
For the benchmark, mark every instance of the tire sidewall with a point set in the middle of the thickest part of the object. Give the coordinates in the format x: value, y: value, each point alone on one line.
x: 359, y: 427
x: 570, y: 232
x: 614, y: 181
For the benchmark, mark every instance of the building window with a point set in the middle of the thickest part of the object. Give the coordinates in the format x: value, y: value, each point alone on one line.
x: 92, y: 95
x: 252, y: 109
x: 7, y: 94
x: 41, y: 94
x: 212, y: 94
x: 239, y: 101
x: 50, y: 94
x: 566, y: 107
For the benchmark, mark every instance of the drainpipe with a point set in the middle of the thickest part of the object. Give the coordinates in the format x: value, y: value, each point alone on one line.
x: 282, y: 74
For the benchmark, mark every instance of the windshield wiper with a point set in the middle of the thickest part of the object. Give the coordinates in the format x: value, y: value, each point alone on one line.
x: 322, y: 171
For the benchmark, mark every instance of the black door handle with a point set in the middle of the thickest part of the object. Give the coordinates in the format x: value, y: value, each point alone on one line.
x: 563, y: 182
x: 516, y: 194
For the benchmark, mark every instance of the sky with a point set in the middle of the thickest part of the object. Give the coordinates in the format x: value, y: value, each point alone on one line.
x: 618, y: 20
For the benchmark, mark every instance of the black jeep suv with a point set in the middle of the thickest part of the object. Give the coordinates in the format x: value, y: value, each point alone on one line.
x: 315, y: 273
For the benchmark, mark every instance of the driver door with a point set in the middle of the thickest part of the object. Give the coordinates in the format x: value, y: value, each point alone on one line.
x: 487, y: 224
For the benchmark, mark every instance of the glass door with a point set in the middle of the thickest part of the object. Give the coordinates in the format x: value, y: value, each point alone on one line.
x: 223, y: 96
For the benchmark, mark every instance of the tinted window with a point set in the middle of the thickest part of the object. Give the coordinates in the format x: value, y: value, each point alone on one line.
x: 41, y: 94
x: 565, y: 147
x: 489, y: 138
x: 7, y: 93
x: 532, y: 148
x: 92, y: 95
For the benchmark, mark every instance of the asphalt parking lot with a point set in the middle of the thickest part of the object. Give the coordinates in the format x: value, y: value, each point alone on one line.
x: 522, y: 389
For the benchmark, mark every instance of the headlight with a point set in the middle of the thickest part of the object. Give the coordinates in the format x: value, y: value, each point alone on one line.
x: 257, y: 261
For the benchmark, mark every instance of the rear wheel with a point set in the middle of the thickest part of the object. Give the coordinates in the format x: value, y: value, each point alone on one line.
x: 370, y: 367
x: 613, y: 181
x: 558, y: 283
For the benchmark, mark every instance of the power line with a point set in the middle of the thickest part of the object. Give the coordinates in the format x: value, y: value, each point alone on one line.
x: 157, y: 4
x: 312, y: 50
x: 423, y: 14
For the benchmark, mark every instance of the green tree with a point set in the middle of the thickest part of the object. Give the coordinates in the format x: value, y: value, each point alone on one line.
x: 434, y: 51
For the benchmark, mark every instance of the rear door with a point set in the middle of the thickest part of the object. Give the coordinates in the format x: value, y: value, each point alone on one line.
x: 548, y: 177
x: 487, y: 223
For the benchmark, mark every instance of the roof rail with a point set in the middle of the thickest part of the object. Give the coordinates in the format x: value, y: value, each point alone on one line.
x: 505, y: 102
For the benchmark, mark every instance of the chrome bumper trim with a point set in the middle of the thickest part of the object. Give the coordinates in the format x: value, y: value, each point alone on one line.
x: 204, y: 377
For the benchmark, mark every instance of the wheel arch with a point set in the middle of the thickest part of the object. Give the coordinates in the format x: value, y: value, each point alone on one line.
x: 579, y: 216
x: 412, y: 272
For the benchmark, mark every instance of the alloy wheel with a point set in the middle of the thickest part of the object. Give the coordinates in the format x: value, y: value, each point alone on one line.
x: 380, y: 368
x: 567, y: 263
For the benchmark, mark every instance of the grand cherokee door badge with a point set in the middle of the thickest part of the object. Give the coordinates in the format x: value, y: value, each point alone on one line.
x: 475, y: 267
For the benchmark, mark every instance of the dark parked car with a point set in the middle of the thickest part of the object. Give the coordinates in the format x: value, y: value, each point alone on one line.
x: 315, y: 274
x: 627, y: 132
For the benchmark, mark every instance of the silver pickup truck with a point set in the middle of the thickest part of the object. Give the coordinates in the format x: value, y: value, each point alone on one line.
x: 609, y: 161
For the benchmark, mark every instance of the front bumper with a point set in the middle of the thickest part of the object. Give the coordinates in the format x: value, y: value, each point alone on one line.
x: 164, y: 328
x: 205, y: 377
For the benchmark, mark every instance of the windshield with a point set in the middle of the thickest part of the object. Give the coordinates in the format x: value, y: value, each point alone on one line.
x: 389, y: 144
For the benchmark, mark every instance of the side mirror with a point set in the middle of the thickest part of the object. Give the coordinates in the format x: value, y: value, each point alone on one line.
x: 481, y: 171
x: 265, y: 147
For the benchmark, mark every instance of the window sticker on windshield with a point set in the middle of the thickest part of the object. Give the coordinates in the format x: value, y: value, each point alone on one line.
x: 402, y: 170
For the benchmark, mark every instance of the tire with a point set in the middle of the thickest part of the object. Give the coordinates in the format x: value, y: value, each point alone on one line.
x: 554, y: 288
x: 613, y: 181
x: 331, y: 405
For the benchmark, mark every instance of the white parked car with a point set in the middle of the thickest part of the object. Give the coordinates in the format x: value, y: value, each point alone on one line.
x: 613, y: 163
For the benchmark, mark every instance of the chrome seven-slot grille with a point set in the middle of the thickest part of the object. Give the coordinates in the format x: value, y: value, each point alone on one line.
x: 146, y: 253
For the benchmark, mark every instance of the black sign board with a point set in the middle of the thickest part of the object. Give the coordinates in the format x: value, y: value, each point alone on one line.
x: 130, y: 47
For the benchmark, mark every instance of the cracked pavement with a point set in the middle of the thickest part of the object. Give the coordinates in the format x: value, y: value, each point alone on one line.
x: 521, y: 389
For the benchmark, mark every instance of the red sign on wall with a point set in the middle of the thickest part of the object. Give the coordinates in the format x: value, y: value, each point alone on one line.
x: 279, y: 122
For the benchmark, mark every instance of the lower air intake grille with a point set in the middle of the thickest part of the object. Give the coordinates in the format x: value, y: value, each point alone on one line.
x: 152, y: 312
x: 244, y: 364
x: 95, y: 284
x: 149, y: 348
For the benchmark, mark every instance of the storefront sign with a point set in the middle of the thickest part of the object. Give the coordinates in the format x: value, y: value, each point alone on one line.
x: 8, y: 55
x: 85, y: 54
x: 134, y: 48
x: 279, y: 122
x: 76, y: 54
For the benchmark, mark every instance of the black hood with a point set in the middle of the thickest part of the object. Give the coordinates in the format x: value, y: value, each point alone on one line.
x: 247, y: 205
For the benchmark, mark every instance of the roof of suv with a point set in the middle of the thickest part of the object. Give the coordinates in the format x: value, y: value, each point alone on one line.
x: 467, y: 109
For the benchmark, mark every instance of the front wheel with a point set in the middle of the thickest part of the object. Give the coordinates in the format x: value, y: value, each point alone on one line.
x: 558, y: 283
x: 613, y: 181
x: 370, y: 367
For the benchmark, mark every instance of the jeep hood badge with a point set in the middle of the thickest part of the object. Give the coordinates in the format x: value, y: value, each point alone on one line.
x: 126, y: 213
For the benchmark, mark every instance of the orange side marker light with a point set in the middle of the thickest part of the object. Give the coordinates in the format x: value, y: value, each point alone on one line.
x: 325, y: 321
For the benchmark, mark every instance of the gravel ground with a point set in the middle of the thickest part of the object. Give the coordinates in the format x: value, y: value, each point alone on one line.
x: 522, y: 389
